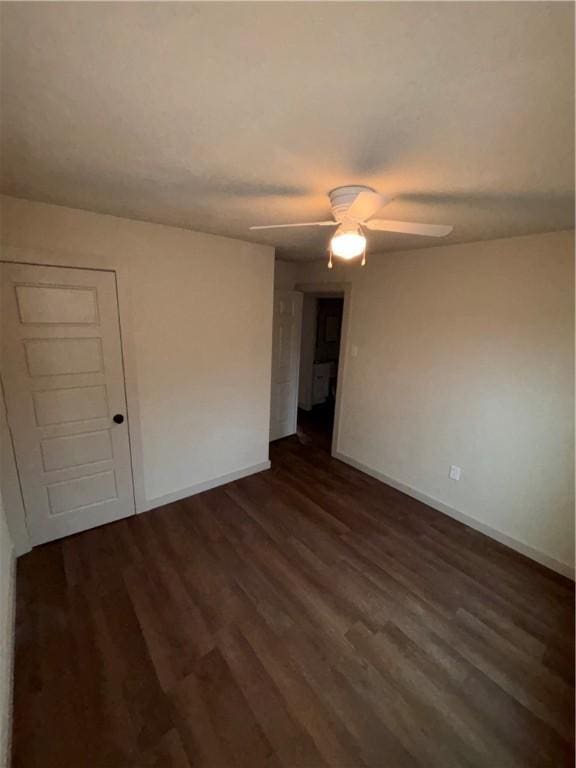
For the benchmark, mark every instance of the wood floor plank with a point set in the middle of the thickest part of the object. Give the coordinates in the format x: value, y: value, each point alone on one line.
x: 305, y: 700
x: 286, y: 734
x: 245, y: 742
x: 306, y: 617
x: 168, y: 753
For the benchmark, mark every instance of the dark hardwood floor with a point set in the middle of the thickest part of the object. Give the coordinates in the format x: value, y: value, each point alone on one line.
x: 308, y: 616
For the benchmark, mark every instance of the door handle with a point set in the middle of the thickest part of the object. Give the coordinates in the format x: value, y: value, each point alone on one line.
x: 118, y: 419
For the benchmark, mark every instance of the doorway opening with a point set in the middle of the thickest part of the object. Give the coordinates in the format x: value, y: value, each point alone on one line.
x: 320, y: 364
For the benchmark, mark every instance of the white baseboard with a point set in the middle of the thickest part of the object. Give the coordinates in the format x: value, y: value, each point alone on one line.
x: 207, y: 485
x: 7, y: 620
x: 519, y: 546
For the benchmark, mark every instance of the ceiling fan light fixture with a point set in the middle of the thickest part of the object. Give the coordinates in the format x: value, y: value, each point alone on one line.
x: 347, y: 245
x: 354, y: 207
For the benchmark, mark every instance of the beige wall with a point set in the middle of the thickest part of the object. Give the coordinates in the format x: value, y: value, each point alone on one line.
x: 284, y: 275
x: 10, y: 486
x: 466, y: 356
x: 196, y: 316
x: 6, y: 635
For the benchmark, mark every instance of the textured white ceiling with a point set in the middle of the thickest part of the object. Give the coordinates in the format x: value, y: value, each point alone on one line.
x: 216, y: 116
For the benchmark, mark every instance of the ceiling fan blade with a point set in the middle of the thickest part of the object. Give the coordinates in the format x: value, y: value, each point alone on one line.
x: 302, y: 224
x: 366, y: 204
x: 409, y: 227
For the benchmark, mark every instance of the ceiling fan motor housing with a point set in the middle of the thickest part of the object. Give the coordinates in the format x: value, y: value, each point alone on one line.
x: 342, y: 198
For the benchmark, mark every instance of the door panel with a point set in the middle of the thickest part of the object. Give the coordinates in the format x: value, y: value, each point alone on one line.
x: 53, y: 357
x: 69, y: 495
x: 285, y: 363
x: 56, y: 305
x: 75, y: 450
x: 59, y: 406
x: 63, y: 379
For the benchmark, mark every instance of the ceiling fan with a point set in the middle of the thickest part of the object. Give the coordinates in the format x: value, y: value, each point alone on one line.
x: 353, y: 208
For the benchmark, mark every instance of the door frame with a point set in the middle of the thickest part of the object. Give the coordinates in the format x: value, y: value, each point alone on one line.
x: 44, y: 258
x: 325, y: 289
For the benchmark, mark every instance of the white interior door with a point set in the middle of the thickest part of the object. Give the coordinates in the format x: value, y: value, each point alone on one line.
x: 285, y: 363
x: 64, y: 384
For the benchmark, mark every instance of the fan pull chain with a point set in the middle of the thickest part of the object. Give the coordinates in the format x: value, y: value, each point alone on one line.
x: 330, y: 259
x: 363, y: 262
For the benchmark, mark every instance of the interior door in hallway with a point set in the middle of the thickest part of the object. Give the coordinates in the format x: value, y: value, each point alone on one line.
x: 285, y: 363
x: 63, y: 379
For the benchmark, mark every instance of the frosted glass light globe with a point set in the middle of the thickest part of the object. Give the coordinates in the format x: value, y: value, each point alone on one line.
x: 348, y: 245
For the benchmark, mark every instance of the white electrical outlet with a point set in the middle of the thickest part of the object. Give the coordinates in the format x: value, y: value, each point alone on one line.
x: 455, y: 472
x: 354, y: 350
